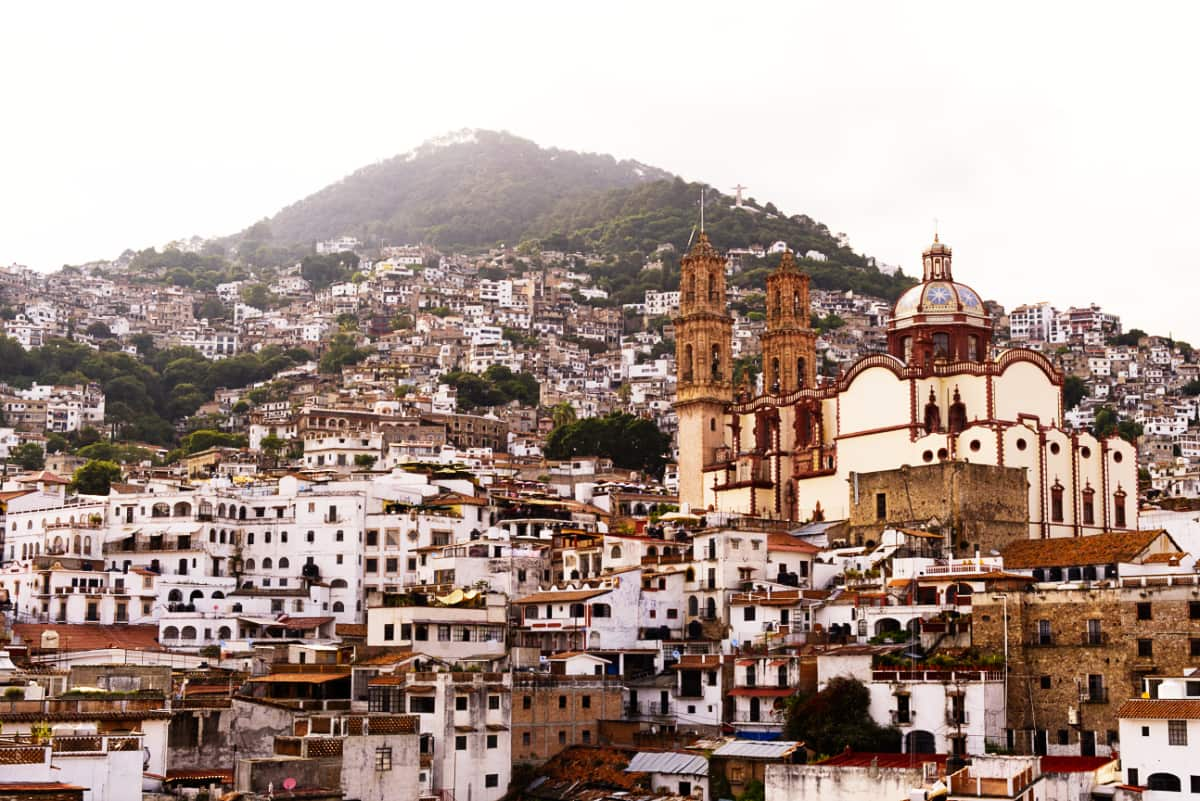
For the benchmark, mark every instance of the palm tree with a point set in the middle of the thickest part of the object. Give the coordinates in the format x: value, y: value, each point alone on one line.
x: 562, y: 414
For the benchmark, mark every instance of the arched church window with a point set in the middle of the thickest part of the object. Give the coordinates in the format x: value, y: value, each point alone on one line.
x: 712, y: 288
x: 687, y: 363
x: 1119, y: 508
x: 801, y: 372
x: 973, y: 348
x: 941, y: 345
x: 691, y: 289
x: 1056, y: 503
x: 775, y: 377
x: 1089, y: 506
x: 907, y: 342
x: 795, y: 304
x: 716, y: 362
x: 778, y: 304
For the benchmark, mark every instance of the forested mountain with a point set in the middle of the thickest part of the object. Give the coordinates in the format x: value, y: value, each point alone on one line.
x: 476, y: 189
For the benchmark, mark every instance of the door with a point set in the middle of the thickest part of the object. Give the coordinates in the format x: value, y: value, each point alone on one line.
x: 1087, y: 743
x: 1039, y: 742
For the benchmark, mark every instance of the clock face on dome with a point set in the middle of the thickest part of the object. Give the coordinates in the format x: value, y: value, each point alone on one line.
x: 938, y: 295
x: 968, y: 298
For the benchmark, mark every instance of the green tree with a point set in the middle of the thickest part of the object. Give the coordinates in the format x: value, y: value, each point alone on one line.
x: 29, y: 455
x: 1074, y: 391
x: 838, y: 717
x: 272, y: 446
x: 256, y: 295
x: 633, y: 443
x: 365, y: 461
x: 56, y: 443
x: 562, y: 414
x: 1109, y: 423
x: 95, y: 477
x: 99, y: 330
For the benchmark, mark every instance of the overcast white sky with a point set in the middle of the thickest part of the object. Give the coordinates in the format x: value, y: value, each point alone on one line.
x: 1056, y: 143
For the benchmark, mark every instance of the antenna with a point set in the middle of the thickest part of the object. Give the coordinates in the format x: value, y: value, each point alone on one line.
x: 702, y: 209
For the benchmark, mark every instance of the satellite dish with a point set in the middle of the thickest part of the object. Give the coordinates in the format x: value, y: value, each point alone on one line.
x: 289, y: 783
x: 675, y: 654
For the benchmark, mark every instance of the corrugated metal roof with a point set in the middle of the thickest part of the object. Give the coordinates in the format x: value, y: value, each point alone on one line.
x: 668, y: 762
x: 776, y: 749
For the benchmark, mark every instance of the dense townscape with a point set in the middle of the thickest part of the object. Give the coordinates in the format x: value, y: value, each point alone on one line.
x: 388, y: 522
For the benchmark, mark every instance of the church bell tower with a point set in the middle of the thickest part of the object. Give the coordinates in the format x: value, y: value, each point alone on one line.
x: 789, y: 343
x: 704, y: 389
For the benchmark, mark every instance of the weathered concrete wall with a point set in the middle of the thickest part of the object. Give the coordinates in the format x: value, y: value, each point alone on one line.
x: 361, y: 780
x: 804, y: 782
x: 200, y: 738
x: 123, y: 678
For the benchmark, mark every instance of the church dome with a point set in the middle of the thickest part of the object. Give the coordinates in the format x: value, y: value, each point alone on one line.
x: 939, y: 297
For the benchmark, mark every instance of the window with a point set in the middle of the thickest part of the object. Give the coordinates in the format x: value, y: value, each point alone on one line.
x: 1177, y: 732
x: 881, y: 506
x: 1089, y: 507
x: 491, y: 780
x: 383, y: 759
x: 1195, y: 785
x: 493, y: 702
x: 527, y: 702
x: 525, y: 739
x: 750, y: 613
x: 372, y: 538
x: 372, y: 566
x: 587, y: 737
x: 1046, y: 685
x: 562, y: 702
x: 460, y: 703
x: 1194, y: 610
x: 1044, y: 637
x: 389, y: 631
x: 1145, y: 648
x: 460, y: 743
x: 1133, y: 776
x: 1056, y: 503
x: 1064, y: 737
x: 421, y: 704
x: 586, y: 702
x: 562, y: 737
x: 1143, y: 610
x: 492, y: 741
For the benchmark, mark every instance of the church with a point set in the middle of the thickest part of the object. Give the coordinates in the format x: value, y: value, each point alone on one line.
x: 942, y: 393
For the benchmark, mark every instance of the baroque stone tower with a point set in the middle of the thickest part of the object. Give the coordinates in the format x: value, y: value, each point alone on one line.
x: 789, y: 343
x: 703, y: 343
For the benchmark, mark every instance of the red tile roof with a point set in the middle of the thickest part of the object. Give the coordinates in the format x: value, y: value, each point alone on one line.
x: 779, y: 541
x: 90, y: 636
x: 225, y: 776
x: 1160, y: 709
x: 1097, y: 549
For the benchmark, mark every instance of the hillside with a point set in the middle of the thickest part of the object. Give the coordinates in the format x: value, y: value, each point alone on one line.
x: 476, y: 189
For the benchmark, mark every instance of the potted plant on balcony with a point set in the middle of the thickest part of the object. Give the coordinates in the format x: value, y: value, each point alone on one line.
x: 40, y: 732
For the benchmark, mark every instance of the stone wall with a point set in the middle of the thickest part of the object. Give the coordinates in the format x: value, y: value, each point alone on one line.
x: 552, y: 725
x: 1046, y: 680
x: 985, y: 506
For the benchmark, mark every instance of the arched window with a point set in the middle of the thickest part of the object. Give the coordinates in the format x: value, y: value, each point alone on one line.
x: 221, y: 510
x: 266, y: 563
x: 188, y: 633
x: 941, y: 344
x: 249, y: 565
x: 687, y: 362
x: 1056, y: 503
x: 578, y: 610
x: 170, y: 633
x: 1119, y: 508
x: 801, y: 372
x: 224, y: 633
x: 601, y: 610
x: 249, y: 537
x: 183, y: 509
x: 693, y: 605
x: 1166, y: 782
x: 1089, y: 506
x: 338, y: 584
x: 616, y: 552
x: 711, y: 609
x: 87, y: 545
x: 236, y: 608
x: 973, y: 348
x: 217, y: 595
x: 196, y: 595
x: 160, y: 510
x: 690, y: 574
x: 652, y: 551
x: 266, y: 536
x: 78, y: 543
x: 716, y: 363
x: 175, y: 596
x: 338, y: 606
x: 284, y: 563
x: 712, y: 288
x: 690, y: 295
x: 242, y: 513
x: 776, y: 378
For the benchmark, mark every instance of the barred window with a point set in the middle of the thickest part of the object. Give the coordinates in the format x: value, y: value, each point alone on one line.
x: 383, y: 759
x: 1177, y: 732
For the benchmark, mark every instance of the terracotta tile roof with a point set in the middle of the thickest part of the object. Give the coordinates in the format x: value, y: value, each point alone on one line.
x: 224, y: 776
x: 1160, y: 709
x: 299, y: 678
x: 778, y: 541
x: 1098, y: 549
x: 1171, y: 556
x: 44, y: 476
x: 563, y: 596
x: 90, y: 636
x: 699, y: 661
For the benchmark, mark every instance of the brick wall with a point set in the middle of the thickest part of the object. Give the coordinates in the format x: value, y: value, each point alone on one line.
x: 549, y: 724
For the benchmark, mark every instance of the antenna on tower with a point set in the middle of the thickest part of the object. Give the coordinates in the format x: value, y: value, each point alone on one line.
x: 702, y: 209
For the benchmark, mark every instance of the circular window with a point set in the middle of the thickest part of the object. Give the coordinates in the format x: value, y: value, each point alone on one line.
x: 1054, y: 448
x: 927, y: 456
x: 942, y: 453
x: 1118, y: 456
x: 1085, y: 451
x: 975, y: 445
x: 1021, y: 444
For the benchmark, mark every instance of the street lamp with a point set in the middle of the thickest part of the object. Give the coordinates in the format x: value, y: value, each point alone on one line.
x: 1004, y: 597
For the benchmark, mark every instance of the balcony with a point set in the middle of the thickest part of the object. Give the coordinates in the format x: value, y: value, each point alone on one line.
x: 902, y: 718
x: 1040, y: 641
x: 958, y: 717
x: 1093, y: 639
x: 648, y: 709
